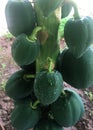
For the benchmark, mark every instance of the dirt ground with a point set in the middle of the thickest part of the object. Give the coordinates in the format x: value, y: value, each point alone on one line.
x: 8, y: 66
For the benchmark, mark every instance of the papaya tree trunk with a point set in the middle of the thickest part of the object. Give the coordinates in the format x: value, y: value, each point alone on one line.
x: 48, y: 38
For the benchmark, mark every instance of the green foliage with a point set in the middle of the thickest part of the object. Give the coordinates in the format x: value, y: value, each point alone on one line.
x: 61, y: 27
x: 3, y: 66
x: 89, y: 94
x: 3, y: 83
x: 8, y: 35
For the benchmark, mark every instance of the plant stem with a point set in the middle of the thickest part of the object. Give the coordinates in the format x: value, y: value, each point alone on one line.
x: 28, y: 76
x: 33, y: 36
x: 76, y: 13
x: 50, y: 64
x: 50, y: 44
x: 34, y: 105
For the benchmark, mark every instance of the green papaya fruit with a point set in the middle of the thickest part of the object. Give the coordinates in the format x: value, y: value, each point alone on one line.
x: 48, y: 86
x: 17, y: 87
x: 89, y: 24
x: 20, y: 17
x: 76, y: 71
x: 29, y: 50
x: 78, y: 33
x: 24, y: 117
x: 68, y: 109
x: 47, y: 124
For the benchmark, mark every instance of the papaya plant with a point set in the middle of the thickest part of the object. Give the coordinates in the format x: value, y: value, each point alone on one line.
x: 37, y: 89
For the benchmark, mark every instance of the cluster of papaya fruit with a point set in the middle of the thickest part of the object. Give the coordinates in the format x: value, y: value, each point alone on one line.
x: 40, y: 100
x: 76, y: 62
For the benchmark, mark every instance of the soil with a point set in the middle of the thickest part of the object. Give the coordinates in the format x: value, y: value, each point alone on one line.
x: 8, y: 67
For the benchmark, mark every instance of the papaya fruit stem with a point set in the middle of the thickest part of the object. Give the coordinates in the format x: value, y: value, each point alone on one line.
x: 51, y: 116
x: 76, y: 13
x: 63, y: 92
x: 28, y: 76
x: 50, y: 64
x: 33, y: 36
x: 34, y: 105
